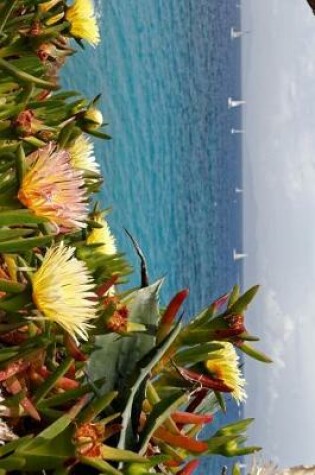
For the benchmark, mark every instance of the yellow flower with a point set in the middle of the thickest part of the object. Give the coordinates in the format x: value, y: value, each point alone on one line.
x: 223, y: 364
x: 53, y: 189
x: 46, y: 6
x: 102, y: 236
x: 82, y: 155
x: 62, y: 291
x: 82, y: 21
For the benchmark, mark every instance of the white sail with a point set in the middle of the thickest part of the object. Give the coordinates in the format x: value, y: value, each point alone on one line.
x: 238, y: 255
x: 239, y: 190
x: 233, y: 103
x: 237, y: 33
x: 237, y: 131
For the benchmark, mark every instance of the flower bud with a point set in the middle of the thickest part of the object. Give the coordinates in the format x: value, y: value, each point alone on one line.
x: 93, y: 119
x: 137, y: 469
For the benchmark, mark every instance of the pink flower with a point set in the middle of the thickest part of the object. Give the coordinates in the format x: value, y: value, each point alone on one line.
x: 53, y: 189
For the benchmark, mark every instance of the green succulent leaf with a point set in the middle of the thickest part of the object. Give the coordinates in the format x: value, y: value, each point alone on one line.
x: 254, y: 353
x: 234, y: 296
x: 161, y: 411
x: 21, y: 216
x: 144, y: 367
x: 101, y: 465
x: 241, y: 304
x: 118, y: 357
x: 21, y: 245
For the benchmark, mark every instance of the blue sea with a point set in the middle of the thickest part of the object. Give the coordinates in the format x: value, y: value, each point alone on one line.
x: 165, y: 69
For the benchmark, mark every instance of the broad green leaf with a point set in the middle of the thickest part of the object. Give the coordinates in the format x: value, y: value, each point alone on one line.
x: 118, y: 357
x: 142, y: 370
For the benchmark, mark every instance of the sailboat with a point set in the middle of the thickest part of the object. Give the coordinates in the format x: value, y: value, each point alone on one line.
x: 237, y: 131
x: 237, y: 33
x: 232, y: 103
x: 237, y: 256
x: 239, y: 190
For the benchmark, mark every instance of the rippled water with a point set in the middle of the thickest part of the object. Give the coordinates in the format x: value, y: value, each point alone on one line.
x: 165, y: 69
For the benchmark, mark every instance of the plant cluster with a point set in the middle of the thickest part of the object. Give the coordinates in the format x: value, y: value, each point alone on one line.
x: 92, y: 379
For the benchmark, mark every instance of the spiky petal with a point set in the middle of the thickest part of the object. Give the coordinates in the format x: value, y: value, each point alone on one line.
x: 102, y: 236
x: 82, y: 154
x: 83, y: 24
x: 62, y: 292
x: 223, y: 364
x: 53, y: 189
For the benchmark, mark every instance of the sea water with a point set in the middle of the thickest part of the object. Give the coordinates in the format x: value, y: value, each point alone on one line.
x: 165, y: 69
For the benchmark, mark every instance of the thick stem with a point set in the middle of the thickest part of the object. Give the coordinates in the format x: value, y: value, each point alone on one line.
x: 22, y: 76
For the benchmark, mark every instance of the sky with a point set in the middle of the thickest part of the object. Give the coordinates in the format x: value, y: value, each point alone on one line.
x: 279, y: 214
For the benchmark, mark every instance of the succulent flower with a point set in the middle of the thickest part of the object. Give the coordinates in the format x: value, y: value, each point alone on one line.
x: 117, y: 320
x: 53, y: 189
x: 62, y: 292
x: 102, y: 236
x: 88, y: 439
x: 223, y: 364
x: 83, y: 24
x: 81, y: 153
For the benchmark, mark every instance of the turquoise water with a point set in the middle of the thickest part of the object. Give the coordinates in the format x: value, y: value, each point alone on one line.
x: 165, y: 69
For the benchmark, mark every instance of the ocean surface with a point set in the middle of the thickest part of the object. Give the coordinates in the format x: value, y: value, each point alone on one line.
x: 165, y: 69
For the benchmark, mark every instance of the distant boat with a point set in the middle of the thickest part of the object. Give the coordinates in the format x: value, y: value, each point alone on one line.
x: 232, y: 103
x: 238, y: 255
x: 239, y: 190
x: 237, y: 131
x: 237, y: 33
